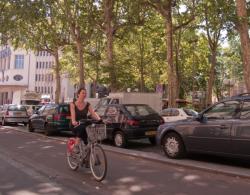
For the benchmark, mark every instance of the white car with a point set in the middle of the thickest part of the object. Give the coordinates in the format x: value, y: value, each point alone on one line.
x: 176, y: 114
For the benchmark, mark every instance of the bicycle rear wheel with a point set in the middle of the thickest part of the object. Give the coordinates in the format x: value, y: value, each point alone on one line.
x: 72, y: 161
x: 98, y: 163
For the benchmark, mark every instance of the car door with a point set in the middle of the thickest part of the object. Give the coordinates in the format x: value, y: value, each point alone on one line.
x: 213, y: 132
x: 111, y: 118
x: 241, y: 131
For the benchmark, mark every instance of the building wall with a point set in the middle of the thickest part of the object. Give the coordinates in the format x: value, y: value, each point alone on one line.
x: 22, y: 70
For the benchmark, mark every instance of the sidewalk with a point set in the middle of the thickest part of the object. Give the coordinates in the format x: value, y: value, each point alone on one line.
x: 186, y: 163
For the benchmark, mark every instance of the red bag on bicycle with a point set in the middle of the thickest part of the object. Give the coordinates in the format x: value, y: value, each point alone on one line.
x: 70, y: 144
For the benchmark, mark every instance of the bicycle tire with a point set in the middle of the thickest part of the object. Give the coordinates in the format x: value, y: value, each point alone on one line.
x: 98, y: 161
x: 73, y: 165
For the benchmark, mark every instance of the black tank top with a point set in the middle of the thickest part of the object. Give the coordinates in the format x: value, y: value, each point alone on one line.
x: 81, y: 114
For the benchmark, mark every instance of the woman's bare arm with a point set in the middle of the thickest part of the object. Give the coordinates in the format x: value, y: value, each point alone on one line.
x: 94, y: 115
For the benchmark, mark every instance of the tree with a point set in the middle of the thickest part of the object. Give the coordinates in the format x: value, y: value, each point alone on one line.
x: 213, y: 27
x: 117, y: 15
x: 80, y: 17
x: 165, y: 8
x: 243, y: 28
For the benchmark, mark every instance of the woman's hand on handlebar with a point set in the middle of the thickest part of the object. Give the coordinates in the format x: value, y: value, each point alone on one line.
x: 75, y: 123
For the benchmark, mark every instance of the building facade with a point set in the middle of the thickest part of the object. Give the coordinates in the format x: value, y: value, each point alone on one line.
x: 22, y: 70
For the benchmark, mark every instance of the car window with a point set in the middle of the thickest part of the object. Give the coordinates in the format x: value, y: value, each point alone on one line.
x: 52, y: 110
x: 190, y: 112
x: 112, y: 114
x: 245, y: 112
x: 101, y: 110
x: 224, y: 110
x: 139, y: 110
x: 41, y: 109
x: 16, y: 108
x: 175, y: 112
x: 64, y: 109
x: 166, y: 112
x: 47, y: 110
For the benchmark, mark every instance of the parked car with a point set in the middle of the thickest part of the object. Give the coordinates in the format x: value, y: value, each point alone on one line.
x: 51, y: 118
x: 129, y: 121
x: 223, y: 128
x: 11, y: 113
x: 176, y: 114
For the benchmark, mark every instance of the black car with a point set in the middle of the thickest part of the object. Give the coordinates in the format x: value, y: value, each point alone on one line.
x: 130, y: 121
x: 51, y: 118
x: 223, y: 128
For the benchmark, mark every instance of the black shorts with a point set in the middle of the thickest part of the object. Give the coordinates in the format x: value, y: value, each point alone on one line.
x: 80, y: 131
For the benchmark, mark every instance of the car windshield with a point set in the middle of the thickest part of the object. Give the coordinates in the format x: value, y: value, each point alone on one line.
x: 16, y: 108
x: 190, y: 112
x: 139, y: 110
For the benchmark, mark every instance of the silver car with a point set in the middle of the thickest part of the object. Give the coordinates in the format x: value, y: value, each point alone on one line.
x: 13, y: 114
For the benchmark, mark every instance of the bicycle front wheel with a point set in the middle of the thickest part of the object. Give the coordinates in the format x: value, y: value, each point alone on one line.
x: 98, y: 163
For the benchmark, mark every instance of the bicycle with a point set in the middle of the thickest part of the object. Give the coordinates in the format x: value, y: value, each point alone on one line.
x: 92, y: 153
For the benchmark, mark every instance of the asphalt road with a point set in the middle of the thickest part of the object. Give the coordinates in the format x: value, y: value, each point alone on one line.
x: 33, y: 164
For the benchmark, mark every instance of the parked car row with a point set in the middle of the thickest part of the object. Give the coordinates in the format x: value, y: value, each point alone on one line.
x: 223, y: 128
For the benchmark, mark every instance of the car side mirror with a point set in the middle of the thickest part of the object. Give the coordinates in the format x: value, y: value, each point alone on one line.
x: 201, y: 118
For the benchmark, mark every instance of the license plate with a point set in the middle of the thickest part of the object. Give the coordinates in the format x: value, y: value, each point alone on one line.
x: 150, y: 133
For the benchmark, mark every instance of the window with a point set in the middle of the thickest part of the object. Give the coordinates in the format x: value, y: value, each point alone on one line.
x: 37, y: 63
x: 175, y: 112
x: 224, y: 110
x: 36, y: 77
x: 19, y: 61
x: 166, y: 112
x: 245, y: 113
x: 139, y: 110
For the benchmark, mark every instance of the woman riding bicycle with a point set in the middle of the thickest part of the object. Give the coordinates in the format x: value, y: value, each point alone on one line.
x: 79, y: 109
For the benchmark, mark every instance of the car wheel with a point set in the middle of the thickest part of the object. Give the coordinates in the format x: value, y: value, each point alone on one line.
x: 30, y: 128
x: 173, y: 146
x: 25, y: 124
x: 152, y: 140
x: 120, y: 139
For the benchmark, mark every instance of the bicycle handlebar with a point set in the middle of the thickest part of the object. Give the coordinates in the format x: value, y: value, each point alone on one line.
x: 88, y: 122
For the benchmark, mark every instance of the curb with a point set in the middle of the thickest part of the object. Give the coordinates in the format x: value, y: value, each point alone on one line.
x: 239, y: 172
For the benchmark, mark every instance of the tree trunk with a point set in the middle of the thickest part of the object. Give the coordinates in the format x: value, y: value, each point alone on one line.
x: 141, y: 46
x: 243, y: 28
x: 109, y: 31
x: 58, y: 78
x: 211, y: 79
x: 81, y: 64
x: 172, y: 72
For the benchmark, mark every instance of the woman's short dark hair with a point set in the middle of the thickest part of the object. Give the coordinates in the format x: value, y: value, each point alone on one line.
x: 79, y: 90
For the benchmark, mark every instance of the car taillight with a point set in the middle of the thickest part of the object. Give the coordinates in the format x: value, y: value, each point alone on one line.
x: 132, y: 122
x: 7, y: 113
